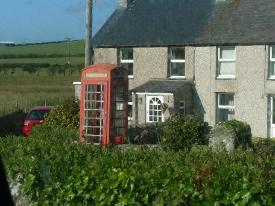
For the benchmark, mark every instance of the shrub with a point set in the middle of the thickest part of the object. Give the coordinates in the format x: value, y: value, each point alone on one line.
x: 262, y: 144
x: 65, y: 114
x: 144, y: 134
x: 55, y: 173
x: 44, y: 132
x: 181, y: 131
x: 242, y: 131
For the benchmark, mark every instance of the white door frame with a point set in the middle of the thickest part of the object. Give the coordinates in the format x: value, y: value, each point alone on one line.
x: 272, y: 124
x: 148, y: 98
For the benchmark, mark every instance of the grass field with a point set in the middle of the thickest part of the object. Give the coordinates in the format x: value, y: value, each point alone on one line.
x: 58, y: 60
x: 76, y: 47
x: 22, y: 90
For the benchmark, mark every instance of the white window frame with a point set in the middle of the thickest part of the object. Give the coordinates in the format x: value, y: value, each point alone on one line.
x: 148, y: 98
x: 175, y: 61
x: 220, y: 60
x: 220, y: 106
x: 224, y: 107
x: 127, y: 61
x: 271, y: 47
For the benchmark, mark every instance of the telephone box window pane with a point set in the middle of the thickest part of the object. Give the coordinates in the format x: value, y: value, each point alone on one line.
x: 119, y: 106
x: 119, y: 94
x: 119, y: 123
x: 94, y: 112
x: 119, y: 114
x: 93, y: 122
x: 94, y: 131
x: 119, y: 131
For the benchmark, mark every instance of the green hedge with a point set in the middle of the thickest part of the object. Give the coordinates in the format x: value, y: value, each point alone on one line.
x: 54, y: 170
x: 242, y: 131
x: 66, y: 114
x: 181, y: 131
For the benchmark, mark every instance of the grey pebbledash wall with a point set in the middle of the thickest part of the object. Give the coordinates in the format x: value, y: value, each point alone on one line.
x: 251, y: 85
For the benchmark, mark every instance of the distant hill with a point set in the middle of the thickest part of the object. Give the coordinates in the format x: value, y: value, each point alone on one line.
x: 51, y: 52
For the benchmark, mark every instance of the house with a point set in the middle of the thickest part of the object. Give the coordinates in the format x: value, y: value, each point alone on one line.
x: 211, y: 58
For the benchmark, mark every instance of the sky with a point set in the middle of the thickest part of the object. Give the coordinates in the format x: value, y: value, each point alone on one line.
x: 33, y: 21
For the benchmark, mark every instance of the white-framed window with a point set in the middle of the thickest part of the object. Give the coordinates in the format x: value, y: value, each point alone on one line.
x: 225, y: 106
x: 226, y: 62
x: 154, y: 111
x: 177, y: 62
x: 182, y: 107
x: 126, y: 60
x: 272, y: 62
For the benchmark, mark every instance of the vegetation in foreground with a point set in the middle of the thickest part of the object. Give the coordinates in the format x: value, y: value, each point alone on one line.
x: 53, y: 170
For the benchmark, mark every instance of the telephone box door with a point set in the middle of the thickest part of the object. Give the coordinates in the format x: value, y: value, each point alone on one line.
x: 95, y: 112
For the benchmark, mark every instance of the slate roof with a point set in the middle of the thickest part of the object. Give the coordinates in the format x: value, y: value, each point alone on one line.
x: 163, y: 86
x: 189, y: 22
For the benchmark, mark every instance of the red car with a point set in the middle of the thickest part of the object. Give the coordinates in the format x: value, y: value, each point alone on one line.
x: 34, y: 117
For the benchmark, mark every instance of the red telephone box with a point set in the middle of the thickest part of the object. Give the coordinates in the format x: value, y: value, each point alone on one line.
x: 103, y: 104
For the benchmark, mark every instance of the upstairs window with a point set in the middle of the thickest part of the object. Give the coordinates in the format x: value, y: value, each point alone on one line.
x: 177, y: 62
x: 272, y: 62
x: 226, y: 62
x: 226, y: 107
x: 126, y: 60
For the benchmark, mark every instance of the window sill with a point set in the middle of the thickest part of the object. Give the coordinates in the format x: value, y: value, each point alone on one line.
x: 271, y: 78
x: 177, y: 77
x: 130, y: 76
x: 225, y: 77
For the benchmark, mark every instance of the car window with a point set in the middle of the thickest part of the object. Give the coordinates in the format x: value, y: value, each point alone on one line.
x: 37, y: 114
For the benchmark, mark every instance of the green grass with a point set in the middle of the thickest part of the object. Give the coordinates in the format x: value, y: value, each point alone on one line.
x: 21, y: 90
x: 58, y: 60
x: 76, y: 47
